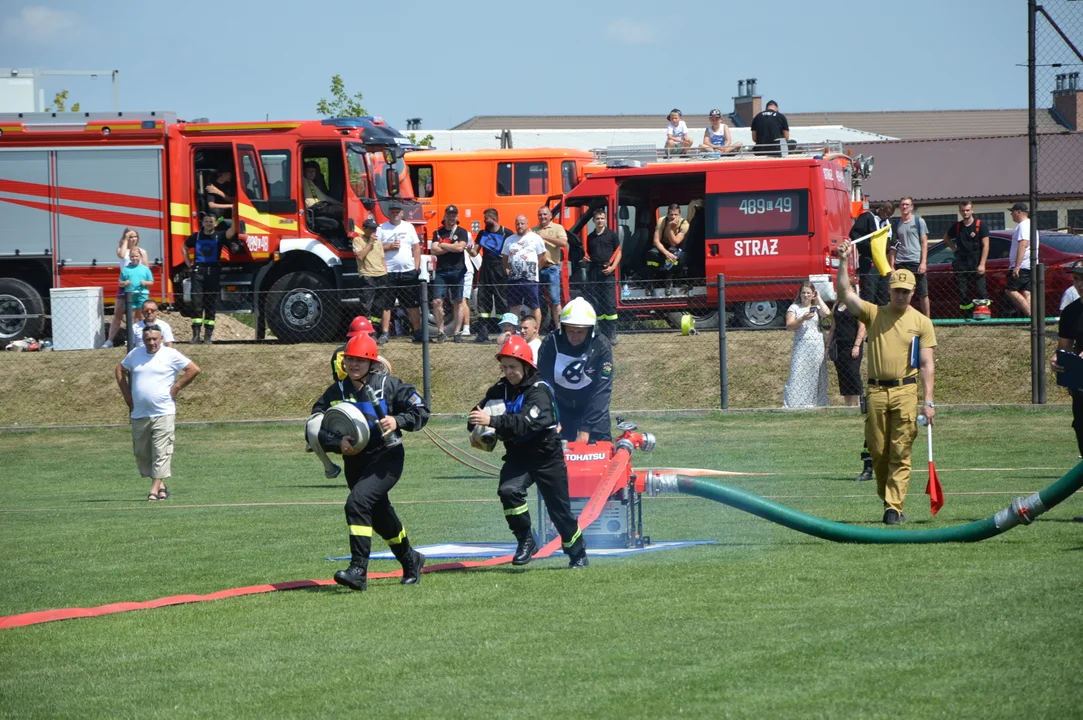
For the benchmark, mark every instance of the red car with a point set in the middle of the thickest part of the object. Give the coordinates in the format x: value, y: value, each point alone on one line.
x: 1057, y: 250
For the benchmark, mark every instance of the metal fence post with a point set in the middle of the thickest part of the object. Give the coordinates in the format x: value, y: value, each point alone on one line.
x: 425, y: 368
x: 723, y: 374
x: 128, y: 319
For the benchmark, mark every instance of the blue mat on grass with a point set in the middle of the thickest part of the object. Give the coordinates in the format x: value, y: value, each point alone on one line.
x: 488, y: 550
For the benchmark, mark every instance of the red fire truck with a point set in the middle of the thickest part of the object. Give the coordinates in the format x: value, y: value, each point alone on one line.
x: 70, y: 183
x: 751, y: 217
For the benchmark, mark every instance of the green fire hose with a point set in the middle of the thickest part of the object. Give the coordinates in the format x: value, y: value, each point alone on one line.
x: 1021, y: 511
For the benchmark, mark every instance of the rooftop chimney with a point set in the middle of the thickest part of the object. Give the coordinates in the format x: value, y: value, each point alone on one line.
x: 747, y: 104
x: 1068, y: 100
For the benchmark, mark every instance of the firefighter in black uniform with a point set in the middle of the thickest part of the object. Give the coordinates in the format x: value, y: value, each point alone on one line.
x: 492, y: 277
x: 578, y: 364
x: 206, y: 271
x: 603, y: 247
x: 526, y: 419
x: 372, y: 471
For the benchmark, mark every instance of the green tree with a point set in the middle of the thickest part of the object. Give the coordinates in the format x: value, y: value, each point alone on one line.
x: 341, y: 103
x: 60, y: 103
x: 423, y: 142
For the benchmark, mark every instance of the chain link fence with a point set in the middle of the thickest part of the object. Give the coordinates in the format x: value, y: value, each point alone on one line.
x: 1055, y: 60
x: 668, y: 353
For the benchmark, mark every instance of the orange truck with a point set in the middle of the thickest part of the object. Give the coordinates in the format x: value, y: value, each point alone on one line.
x: 70, y: 183
x: 759, y: 220
x: 512, y: 181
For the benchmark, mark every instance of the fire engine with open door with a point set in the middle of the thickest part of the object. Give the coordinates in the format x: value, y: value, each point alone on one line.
x: 751, y: 218
x: 70, y: 183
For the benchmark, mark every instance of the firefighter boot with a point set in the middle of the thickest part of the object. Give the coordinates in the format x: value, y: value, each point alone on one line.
x: 208, y: 332
x: 195, y: 333
x: 526, y: 549
x: 354, y: 577
x: 579, y: 560
x: 411, y: 560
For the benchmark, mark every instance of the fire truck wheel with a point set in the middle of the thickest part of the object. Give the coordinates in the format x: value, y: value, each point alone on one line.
x: 760, y: 314
x: 705, y: 319
x: 18, y: 298
x: 300, y: 308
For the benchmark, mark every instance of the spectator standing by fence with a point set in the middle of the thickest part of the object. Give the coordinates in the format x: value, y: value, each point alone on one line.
x: 371, y: 272
x: 150, y: 317
x: 128, y: 239
x: 807, y: 383
x: 911, y: 249
x: 873, y: 286
x: 845, y: 347
x: 524, y: 255
x: 492, y: 277
x: 449, y: 248
x: 136, y: 280
x: 970, y: 243
x: 901, y: 343
x: 556, y: 240
x: 1017, y: 285
x: 402, y: 256
x: 156, y: 375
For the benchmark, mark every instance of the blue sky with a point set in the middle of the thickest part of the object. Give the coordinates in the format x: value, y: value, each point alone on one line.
x: 447, y: 61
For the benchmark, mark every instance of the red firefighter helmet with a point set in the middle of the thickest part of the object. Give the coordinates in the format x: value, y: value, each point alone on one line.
x: 360, y: 326
x: 517, y: 347
x: 362, y: 346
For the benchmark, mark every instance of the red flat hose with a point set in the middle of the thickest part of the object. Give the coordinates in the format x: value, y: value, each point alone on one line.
x: 590, y: 513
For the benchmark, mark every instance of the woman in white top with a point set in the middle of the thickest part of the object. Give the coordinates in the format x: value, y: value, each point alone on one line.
x: 717, y: 135
x: 129, y: 240
x: 807, y: 384
x: 677, y: 132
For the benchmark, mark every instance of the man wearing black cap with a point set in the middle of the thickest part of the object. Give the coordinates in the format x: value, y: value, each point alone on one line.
x: 371, y: 271
x: 1017, y: 285
x: 402, y: 256
x: 448, y: 246
x: 768, y: 128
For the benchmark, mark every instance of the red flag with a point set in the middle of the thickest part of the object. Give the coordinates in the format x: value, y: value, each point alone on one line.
x: 934, y: 491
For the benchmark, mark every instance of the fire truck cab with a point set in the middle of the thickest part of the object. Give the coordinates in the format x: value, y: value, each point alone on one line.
x: 70, y: 183
x: 763, y: 222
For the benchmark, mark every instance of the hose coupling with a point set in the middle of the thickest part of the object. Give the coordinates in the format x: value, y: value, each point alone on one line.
x: 659, y: 483
x: 1022, y: 510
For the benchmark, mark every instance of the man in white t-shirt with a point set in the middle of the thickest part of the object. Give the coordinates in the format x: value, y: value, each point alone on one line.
x: 156, y: 375
x: 402, y: 256
x: 150, y: 317
x: 524, y: 255
x: 1017, y: 284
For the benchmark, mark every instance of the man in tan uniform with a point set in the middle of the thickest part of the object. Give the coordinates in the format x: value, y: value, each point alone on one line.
x: 901, y: 341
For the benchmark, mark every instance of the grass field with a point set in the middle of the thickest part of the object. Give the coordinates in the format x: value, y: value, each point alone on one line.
x: 975, y: 365
x: 765, y: 623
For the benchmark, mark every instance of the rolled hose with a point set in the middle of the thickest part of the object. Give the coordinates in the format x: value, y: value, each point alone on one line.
x: 1021, y: 511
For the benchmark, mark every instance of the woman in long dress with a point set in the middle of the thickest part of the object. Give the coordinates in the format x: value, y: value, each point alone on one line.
x: 807, y: 384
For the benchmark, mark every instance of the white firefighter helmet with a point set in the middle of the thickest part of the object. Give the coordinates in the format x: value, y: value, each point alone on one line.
x: 483, y: 437
x: 579, y: 312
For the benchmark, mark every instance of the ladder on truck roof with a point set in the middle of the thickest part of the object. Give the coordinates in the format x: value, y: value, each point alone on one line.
x: 617, y: 156
x: 80, y: 120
